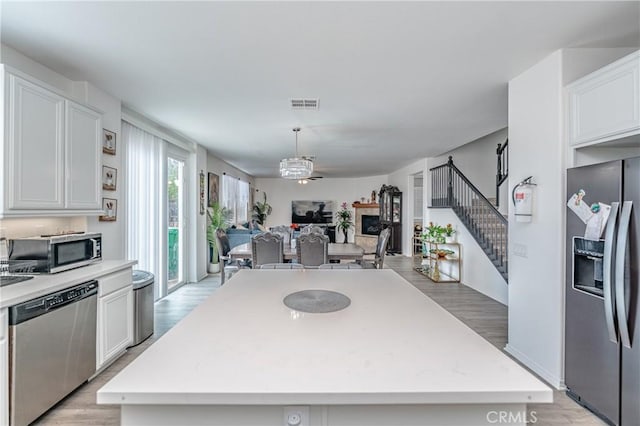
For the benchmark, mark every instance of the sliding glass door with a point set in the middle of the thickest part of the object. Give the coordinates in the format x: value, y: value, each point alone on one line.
x: 176, y: 187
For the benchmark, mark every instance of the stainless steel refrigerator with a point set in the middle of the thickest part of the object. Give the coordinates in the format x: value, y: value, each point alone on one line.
x: 602, y: 333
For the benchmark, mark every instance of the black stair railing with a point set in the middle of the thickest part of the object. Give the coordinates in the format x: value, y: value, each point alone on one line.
x: 502, y: 172
x: 450, y: 188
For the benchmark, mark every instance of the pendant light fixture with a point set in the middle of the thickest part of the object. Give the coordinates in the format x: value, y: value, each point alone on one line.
x: 296, y: 167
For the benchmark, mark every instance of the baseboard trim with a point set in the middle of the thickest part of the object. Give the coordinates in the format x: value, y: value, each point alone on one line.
x: 536, y: 368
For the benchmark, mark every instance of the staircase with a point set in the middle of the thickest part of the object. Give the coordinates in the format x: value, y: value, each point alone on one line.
x: 450, y: 188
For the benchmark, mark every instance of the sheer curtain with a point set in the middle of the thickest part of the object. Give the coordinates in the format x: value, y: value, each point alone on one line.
x: 242, y: 205
x: 146, y: 232
x: 229, y: 195
x: 235, y: 198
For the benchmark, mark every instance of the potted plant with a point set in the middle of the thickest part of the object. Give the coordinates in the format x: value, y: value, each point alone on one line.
x: 261, y: 210
x: 218, y: 218
x: 345, y: 222
x: 434, y: 233
x: 448, y: 233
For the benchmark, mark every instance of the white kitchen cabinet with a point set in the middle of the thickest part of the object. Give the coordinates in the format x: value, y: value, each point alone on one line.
x: 52, y: 151
x: 4, y: 367
x: 35, y: 147
x: 605, y: 105
x: 82, y: 157
x: 115, y: 316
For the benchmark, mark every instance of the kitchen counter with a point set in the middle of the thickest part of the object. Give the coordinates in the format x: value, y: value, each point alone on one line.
x: 393, y: 350
x: 49, y: 283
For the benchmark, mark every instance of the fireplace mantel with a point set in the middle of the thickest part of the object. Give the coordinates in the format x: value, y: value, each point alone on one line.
x: 365, y: 206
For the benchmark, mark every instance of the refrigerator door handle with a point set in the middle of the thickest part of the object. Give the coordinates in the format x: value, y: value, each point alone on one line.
x: 609, y: 298
x: 621, y: 251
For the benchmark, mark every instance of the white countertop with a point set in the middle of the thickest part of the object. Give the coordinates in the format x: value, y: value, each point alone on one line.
x: 49, y: 283
x: 393, y: 345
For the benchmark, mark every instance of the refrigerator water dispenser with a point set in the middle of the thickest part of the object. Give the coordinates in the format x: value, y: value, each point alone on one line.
x: 587, y: 265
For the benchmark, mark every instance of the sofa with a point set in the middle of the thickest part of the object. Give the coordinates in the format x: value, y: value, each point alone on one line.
x: 240, y: 236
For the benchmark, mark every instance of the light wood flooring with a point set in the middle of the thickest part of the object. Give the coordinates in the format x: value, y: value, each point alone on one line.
x: 484, y: 315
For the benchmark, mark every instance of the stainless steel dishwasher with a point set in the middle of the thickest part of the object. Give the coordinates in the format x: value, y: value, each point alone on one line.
x: 52, y: 349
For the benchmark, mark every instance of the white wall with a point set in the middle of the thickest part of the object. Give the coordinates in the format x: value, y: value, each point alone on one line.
x: 477, y: 161
x: 219, y: 167
x: 113, y: 233
x: 280, y: 193
x: 536, y: 278
x: 404, y: 180
x: 12, y: 57
x: 476, y: 270
x: 200, y: 246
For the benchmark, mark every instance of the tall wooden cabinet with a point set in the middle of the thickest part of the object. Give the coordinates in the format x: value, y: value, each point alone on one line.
x: 51, y: 151
x: 390, y: 201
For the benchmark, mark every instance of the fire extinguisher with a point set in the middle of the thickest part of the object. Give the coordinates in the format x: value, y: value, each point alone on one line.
x: 522, y: 197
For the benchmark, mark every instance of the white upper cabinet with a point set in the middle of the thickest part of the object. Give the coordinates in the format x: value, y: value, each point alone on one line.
x: 35, y: 158
x: 605, y: 105
x: 52, y: 152
x: 82, y: 154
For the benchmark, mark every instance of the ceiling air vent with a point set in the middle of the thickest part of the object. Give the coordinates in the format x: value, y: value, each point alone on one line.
x: 299, y: 103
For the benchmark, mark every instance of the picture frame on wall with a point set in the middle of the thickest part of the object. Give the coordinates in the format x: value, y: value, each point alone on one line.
x: 108, y: 142
x: 109, y: 178
x: 214, y: 189
x: 110, y: 206
x: 201, y: 192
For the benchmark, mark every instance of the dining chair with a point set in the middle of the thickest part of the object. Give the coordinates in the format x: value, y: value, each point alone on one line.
x: 266, y: 248
x: 381, y: 250
x: 312, y: 229
x: 226, y: 263
x: 340, y: 266
x: 283, y: 231
x: 313, y: 250
x: 282, y: 266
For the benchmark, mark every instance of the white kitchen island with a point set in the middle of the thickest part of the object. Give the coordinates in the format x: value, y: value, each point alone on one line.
x: 393, y: 357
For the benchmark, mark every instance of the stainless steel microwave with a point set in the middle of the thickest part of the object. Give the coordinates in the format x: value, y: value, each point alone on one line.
x: 57, y: 253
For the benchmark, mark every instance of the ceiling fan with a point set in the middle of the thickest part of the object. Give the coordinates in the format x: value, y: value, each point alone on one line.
x: 306, y: 180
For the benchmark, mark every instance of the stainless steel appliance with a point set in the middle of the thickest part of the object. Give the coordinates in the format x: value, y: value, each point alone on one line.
x: 602, y: 358
x: 142, y: 305
x: 57, y: 253
x: 52, y: 349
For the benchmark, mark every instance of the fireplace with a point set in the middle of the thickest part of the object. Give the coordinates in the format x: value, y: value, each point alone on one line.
x: 370, y: 224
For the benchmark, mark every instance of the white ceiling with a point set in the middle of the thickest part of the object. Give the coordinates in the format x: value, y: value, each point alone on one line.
x: 396, y: 81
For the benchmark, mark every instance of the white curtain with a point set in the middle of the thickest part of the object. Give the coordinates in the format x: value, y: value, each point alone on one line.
x: 146, y: 215
x: 230, y: 195
x: 242, y: 205
x: 235, y: 198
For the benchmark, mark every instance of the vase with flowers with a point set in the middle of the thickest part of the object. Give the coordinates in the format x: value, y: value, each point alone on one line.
x: 345, y: 221
x: 449, y: 234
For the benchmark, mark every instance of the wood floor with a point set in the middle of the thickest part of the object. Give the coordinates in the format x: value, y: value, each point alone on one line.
x: 484, y: 315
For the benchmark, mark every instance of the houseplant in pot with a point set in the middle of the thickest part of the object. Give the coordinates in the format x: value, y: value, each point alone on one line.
x: 449, y: 234
x: 218, y: 217
x: 261, y: 210
x: 345, y: 222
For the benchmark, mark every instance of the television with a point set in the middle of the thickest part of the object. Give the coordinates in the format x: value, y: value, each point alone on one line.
x: 304, y: 212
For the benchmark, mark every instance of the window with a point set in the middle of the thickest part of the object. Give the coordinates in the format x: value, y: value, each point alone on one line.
x: 235, y: 198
